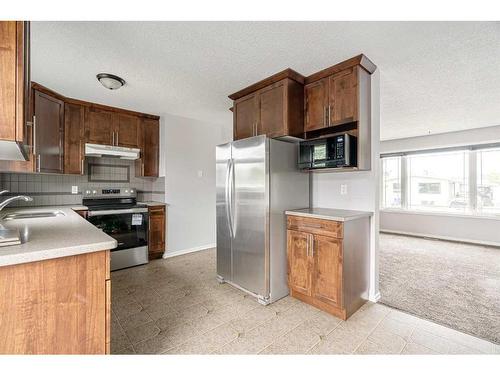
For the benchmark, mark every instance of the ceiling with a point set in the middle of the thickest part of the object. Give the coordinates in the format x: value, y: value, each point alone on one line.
x: 435, y: 77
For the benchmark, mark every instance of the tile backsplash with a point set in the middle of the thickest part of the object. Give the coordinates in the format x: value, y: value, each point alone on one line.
x: 55, y: 189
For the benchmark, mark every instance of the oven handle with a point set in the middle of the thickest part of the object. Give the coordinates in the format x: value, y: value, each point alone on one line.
x: 117, y: 212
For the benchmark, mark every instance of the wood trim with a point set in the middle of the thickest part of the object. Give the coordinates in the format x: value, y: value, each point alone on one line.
x: 287, y: 73
x: 360, y: 60
x: 104, y: 107
x: 108, y: 314
x: 337, y: 311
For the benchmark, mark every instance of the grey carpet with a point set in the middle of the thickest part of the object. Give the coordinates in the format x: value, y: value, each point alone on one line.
x: 454, y: 284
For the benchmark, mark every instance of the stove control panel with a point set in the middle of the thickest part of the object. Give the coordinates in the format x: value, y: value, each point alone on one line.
x: 110, y: 193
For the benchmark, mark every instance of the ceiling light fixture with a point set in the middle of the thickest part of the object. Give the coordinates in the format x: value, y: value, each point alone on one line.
x: 110, y: 81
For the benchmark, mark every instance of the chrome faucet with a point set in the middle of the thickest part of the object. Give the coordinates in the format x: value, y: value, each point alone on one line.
x: 12, y: 199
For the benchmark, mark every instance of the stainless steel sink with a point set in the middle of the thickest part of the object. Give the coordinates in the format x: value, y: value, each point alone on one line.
x: 33, y: 215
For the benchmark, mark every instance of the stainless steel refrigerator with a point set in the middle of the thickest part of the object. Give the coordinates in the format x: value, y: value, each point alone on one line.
x: 256, y: 181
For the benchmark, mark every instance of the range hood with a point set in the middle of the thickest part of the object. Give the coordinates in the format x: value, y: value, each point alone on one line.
x: 10, y: 150
x: 112, y: 151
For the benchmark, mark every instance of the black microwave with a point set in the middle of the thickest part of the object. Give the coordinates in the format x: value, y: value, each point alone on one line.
x: 333, y: 152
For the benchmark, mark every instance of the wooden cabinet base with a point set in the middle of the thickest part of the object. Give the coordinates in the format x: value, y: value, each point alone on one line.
x: 56, y: 306
x: 337, y: 311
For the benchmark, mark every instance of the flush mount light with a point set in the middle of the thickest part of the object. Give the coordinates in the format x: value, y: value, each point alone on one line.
x: 110, y: 81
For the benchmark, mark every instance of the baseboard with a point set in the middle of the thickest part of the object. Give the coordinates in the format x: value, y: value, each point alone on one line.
x: 187, y: 251
x: 445, y: 238
x: 375, y: 298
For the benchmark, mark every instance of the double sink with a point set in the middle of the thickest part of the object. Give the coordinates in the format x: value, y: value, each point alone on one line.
x: 33, y: 215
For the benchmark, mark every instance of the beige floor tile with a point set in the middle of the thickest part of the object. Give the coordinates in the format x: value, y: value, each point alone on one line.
x: 253, y: 318
x: 325, y: 346
x: 171, y: 320
x: 412, y: 348
x: 382, y: 342
x: 396, y: 327
x: 123, y: 311
x: 323, y: 323
x: 155, y: 345
x: 298, y: 340
x: 142, y: 332
x: 119, y: 342
x: 134, y: 320
x: 342, y: 338
x: 284, y: 304
x: 208, y: 342
x: 440, y: 344
x: 159, y: 310
x: 193, y: 311
x: 127, y: 350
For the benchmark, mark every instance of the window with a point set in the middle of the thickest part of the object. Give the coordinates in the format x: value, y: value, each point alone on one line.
x: 488, y: 181
x: 461, y: 181
x: 391, y: 180
x: 438, y: 181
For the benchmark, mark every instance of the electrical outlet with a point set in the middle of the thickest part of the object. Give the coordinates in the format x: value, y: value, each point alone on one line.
x: 200, y: 174
x: 74, y: 189
x: 343, y: 189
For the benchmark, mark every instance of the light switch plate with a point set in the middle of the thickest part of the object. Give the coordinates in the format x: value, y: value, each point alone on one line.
x: 343, y: 189
x: 200, y: 174
x: 74, y: 189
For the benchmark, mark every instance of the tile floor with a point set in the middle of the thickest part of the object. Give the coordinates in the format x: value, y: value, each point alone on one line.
x: 175, y: 306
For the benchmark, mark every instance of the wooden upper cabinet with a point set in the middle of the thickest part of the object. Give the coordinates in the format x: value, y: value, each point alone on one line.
x: 48, y: 133
x: 343, y: 97
x: 15, y: 82
x: 327, y: 269
x: 299, y: 262
x: 99, y: 126
x: 274, y: 107
x: 148, y: 165
x: 74, y: 153
x: 245, y: 117
x: 316, y: 105
x: 127, y: 130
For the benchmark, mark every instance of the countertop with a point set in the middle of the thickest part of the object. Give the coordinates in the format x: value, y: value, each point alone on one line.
x: 329, y: 213
x: 52, y: 237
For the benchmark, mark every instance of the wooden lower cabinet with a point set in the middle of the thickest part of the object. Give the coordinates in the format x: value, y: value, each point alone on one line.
x: 328, y: 263
x: 56, y: 306
x: 157, y: 229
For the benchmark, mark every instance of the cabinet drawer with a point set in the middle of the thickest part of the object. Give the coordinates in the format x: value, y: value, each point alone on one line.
x: 327, y: 228
x: 156, y: 210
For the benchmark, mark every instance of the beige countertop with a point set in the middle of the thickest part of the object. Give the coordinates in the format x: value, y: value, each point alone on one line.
x: 153, y: 203
x: 329, y: 213
x: 52, y: 237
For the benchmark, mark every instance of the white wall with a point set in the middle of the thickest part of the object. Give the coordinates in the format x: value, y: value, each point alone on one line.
x: 444, y: 226
x: 189, y: 147
x: 362, y: 188
x: 484, y: 231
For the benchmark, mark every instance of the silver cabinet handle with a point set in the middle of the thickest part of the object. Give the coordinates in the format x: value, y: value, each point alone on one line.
x: 312, y: 245
x: 83, y: 168
x: 113, y: 142
x: 329, y: 114
x: 117, y: 138
x: 38, y: 162
x: 325, y: 120
x: 34, y: 135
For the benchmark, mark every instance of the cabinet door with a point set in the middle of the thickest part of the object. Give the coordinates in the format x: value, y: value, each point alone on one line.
x: 150, y: 147
x: 327, y: 269
x: 299, y: 262
x: 126, y: 130
x: 49, y: 120
x: 156, y: 243
x: 245, y: 116
x: 272, y: 111
x: 74, y: 115
x: 343, y: 97
x: 99, y: 126
x: 316, y: 99
x: 14, y: 81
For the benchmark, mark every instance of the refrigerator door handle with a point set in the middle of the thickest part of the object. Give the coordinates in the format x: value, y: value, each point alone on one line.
x: 231, y: 198
x: 228, y: 194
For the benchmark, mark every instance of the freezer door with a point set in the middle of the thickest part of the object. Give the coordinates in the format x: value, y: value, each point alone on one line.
x: 222, y: 187
x: 250, y: 213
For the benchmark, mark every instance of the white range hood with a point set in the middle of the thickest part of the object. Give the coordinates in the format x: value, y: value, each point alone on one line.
x: 112, y: 151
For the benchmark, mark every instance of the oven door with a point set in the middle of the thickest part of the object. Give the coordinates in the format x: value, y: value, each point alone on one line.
x: 128, y: 227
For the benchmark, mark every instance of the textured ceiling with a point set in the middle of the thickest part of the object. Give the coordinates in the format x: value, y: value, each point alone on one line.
x: 435, y: 77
